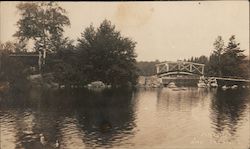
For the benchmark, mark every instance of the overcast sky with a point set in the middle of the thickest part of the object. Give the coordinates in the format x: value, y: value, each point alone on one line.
x: 162, y: 30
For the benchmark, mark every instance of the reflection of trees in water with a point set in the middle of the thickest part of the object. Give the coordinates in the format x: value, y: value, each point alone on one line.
x: 228, y: 108
x: 19, y: 117
x: 7, y: 129
x: 102, y: 118
x: 32, y: 117
x: 106, y: 117
x: 181, y: 100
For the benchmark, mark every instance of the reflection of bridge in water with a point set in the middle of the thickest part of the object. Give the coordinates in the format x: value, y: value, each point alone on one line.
x: 188, y: 73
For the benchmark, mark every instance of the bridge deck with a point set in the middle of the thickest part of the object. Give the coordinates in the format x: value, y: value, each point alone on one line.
x: 231, y: 79
x: 24, y: 55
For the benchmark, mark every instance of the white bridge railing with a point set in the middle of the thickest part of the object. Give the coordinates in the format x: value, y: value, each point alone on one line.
x: 180, y: 67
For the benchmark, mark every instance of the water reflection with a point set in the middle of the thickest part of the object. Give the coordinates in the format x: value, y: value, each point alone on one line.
x: 108, y: 117
x: 183, y: 100
x: 9, y: 139
x: 153, y: 118
x: 75, y: 118
x: 229, y: 110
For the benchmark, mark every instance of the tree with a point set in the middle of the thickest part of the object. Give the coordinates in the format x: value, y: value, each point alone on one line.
x: 42, y: 22
x: 227, y: 60
x: 107, y: 56
x: 13, y: 46
x: 147, y: 68
x: 233, y: 59
x: 7, y: 47
x: 67, y: 69
x: 218, y: 51
x: 212, y: 68
x: 11, y: 70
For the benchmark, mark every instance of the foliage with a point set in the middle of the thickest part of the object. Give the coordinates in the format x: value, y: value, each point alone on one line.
x: 147, y: 68
x: 7, y: 47
x: 202, y: 59
x: 233, y: 59
x: 218, y: 46
x: 67, y: 68
x: 42, y: 22
x: 218, y: 51
x: 225, y: 60
x: 11, y: 70
x: 107, y: 56
x: 101, y: 54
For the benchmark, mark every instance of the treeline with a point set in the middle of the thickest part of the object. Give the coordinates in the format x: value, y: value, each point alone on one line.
x: 100, y: 54
x: 225, y: 61
x: 147, y: 68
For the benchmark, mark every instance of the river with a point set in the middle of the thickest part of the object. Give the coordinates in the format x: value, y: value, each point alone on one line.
x: 144, y: 118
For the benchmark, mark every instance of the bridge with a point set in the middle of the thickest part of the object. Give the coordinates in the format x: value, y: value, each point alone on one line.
x: 180, y: 72
x: 38, y: 57
x: 231, y: 81
x: 189, y: 73
x: 179, y: 68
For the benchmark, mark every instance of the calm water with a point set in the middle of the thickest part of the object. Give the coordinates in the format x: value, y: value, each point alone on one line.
x: 155, y: 118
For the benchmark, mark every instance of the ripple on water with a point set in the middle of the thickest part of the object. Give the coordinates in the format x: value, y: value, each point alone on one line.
x: 149, y: 118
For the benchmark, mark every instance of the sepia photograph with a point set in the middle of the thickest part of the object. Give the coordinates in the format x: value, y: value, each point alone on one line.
x: 124, y: 75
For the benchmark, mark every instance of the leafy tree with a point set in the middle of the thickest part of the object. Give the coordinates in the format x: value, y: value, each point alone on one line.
x: 7, y: 47
x: 67, y: 66
x: 11, y: 70
x: 13, y: 46
x: 107, y: 56
x: 42, y: 22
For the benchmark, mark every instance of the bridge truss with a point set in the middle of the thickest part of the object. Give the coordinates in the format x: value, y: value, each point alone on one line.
x: 179, y: 68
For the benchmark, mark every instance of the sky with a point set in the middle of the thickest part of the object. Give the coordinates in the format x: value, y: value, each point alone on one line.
x: 166, y: 31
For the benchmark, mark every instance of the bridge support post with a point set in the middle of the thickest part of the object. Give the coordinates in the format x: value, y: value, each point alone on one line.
x: 167, y: 67
x: 44, y: 56
x: 40, y: 61
x: 191, y: 67
x: 157, y: 69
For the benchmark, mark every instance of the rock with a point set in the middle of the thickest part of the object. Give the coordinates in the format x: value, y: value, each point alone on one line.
x: 34, y: 77
x: 234, y: 86
x: 224, y: 87
x: 62, y: 86
x: 97, y: 84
